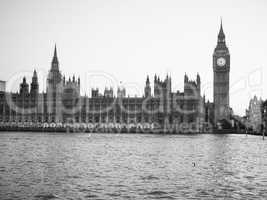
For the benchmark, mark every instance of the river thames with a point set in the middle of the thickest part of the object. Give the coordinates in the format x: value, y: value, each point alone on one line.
x: 132, y: 166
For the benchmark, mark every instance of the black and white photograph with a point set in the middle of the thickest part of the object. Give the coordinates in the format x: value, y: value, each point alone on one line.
x: 133, y: 99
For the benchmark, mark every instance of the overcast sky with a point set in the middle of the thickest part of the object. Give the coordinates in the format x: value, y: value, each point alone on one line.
x: 126, y: 40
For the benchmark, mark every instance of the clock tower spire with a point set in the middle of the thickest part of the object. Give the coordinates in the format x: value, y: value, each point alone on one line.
x: 221, y: 70
x: 221, y: 35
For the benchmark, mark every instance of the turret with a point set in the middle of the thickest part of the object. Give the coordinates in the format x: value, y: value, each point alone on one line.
x: 198, y: 82
x: 147, y: 88
x: 121, y: 92
x: 155, y: 78
x: 156, y: 86
x: 24, y: 87
x: 108, y: 93
x: 34, y: 84
x: 73, y: 79
x: 94, y: 93
x: 147, y: 81
x: 185, y: 78
x: 198, y: 79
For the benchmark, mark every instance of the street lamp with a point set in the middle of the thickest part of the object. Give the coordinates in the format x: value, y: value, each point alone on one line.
x: 264, y: 121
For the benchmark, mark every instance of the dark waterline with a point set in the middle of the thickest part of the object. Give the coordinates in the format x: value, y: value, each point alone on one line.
x: 132, y: 166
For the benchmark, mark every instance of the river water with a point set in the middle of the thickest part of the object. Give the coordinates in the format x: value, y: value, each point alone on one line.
x: 132, y: 166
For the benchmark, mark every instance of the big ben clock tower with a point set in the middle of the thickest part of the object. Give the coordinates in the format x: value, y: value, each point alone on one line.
x: 221, y: 69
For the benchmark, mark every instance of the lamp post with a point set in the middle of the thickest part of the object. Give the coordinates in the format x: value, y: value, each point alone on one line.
x: 264, y: 121
x: 264, y: 118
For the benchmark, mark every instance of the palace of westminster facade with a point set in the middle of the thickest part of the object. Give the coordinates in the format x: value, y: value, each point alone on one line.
x: 62, y: 101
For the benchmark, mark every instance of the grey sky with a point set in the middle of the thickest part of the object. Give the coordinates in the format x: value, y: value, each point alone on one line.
x: 130, y: 39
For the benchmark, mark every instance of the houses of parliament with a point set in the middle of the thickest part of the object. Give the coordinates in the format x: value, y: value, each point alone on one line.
x: 63, y: 103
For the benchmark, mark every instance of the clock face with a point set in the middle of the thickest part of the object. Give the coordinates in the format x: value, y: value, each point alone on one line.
x: 221, y: 61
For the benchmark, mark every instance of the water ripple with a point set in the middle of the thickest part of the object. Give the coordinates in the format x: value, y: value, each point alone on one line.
x: 105, y: 166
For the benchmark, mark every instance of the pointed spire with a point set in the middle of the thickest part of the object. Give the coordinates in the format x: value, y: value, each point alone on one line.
x: 24, y: 86
x: 198, y: 77
x: 34, y: 77
x: 34, y: 73
x: 147, y: 80
x: 185, y: 78
x: 198, y: 80
x: 55, y: 51
x: 221, y: 35
x: 55, y: 60
x: 34, y: 84
x: 54, y: 64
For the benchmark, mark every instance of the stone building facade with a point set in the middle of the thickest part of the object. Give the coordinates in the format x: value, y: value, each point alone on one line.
x: 63, y: 103
x: 254, y: 114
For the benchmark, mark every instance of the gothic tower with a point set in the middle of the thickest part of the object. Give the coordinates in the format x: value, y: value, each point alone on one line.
x: 147, y: 88
x: 34, y: 85
x: 54, y: 91
x: 221, y: 69
x: 24, y: 87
